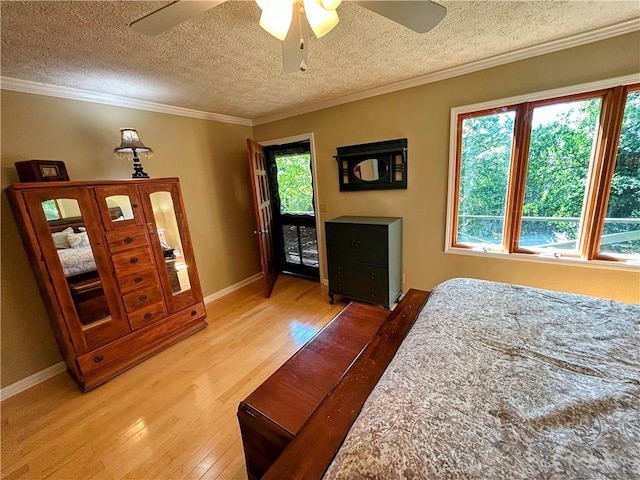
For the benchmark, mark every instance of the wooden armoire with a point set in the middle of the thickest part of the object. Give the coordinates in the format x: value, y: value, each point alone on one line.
x: 115, y: 265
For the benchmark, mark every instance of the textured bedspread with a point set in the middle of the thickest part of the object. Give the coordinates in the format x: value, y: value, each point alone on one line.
x: 499, y: 381
x: 77, y: 260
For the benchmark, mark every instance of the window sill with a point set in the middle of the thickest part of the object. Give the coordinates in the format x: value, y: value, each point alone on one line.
x: 546, y: 258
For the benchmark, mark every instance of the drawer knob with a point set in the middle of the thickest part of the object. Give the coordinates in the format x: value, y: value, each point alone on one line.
x: 133, y: 260
x: 373, y: 276
x: 137, y: 279
x: 142, y: 298
x: 373, y: 295
x: 340, y: 288
x: 147, y: 316
x: 339, y: 271
x: 194, y: 313
x: 128, y: 240
x: 98, y: 358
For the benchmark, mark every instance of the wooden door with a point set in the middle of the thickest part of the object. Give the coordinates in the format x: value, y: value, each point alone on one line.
x: 119, y: 206
x: 171, y: 244
x: 68, y: 231
x: 264, y: 213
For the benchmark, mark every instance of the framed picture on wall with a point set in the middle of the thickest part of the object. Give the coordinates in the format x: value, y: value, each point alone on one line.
x: 42, y: 171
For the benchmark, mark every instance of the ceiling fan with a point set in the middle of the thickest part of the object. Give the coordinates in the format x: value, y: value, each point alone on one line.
x: 282, y: 19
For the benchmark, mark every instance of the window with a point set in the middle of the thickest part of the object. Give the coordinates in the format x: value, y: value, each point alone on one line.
x: 294, y: 183
x: 621, y: 233
x: 51, y: 209
x: 485, y: 158
x: 555, y: 177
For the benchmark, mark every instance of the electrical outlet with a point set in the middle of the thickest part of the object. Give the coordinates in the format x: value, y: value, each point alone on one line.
x: 404, y: 279
x: 324, y: 207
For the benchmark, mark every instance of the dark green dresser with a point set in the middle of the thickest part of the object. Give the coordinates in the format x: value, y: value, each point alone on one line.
x: 364, y: 257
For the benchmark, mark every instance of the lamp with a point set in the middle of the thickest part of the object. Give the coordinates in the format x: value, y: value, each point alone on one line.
x: 277, y: 14
x: 131, y: 144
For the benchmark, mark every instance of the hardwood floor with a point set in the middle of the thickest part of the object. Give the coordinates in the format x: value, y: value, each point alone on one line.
x: 174, y: 415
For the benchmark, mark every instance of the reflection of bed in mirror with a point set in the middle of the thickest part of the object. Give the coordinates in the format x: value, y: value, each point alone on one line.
x: 79, y: 267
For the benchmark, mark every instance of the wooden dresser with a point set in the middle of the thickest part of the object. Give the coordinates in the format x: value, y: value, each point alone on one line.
x: 274, y: 413
x: 364, y: 258
x: 112, y: 297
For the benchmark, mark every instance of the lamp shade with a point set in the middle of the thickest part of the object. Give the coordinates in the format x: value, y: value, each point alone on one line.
x: 131, y: 143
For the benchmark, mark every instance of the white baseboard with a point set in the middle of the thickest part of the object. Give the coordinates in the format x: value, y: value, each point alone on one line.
x: 53, y: 370
x: 36, y: 378
x: 232, y: 288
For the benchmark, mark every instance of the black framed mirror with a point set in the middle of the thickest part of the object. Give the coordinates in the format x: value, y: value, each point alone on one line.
x: 373, y: 166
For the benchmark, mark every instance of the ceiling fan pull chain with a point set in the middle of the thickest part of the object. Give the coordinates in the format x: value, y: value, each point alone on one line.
x: 303, y: 65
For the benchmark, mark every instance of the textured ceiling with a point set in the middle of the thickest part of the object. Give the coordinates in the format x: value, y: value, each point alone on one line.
x: 222, y: 62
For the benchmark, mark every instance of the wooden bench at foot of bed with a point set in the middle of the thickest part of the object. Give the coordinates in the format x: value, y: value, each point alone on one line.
x: 277, y: 410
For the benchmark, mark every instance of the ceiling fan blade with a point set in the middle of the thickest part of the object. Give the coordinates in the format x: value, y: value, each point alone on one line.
x: 171, y: 15
x: 418, y: 15
x: 294, y: 58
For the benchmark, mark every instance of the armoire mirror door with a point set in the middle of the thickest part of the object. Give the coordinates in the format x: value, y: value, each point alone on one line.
x: 119, y: 206
x: 73, y: 249
x: 166, y: 224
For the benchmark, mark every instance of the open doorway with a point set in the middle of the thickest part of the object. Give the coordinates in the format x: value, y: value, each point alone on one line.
x: 290, y: 174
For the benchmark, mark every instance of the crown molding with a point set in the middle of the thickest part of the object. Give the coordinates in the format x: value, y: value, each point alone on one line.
x: 27, y: 86
x: 628, y: 26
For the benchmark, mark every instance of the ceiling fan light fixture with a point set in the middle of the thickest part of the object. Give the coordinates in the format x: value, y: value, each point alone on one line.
x: 331, y: 4
x: 320, y: 19
x: 276, y: 17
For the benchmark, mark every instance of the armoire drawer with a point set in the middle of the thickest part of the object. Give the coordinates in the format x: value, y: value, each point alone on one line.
x: 142, y: 342
x: 137, y: 280
x: 147, y: 315
x: 142, y: 298
x: 131, y: 261
x: 126, y: 239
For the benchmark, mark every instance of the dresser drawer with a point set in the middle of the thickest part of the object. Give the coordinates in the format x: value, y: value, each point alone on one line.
x: 147, y: 315
x: 132, y: 261
x: 358, y: 243
x: 137, y: 280
x: 359, y: 272
x: 142, y: 298
x: 126, y: 239
x: 368, y: 283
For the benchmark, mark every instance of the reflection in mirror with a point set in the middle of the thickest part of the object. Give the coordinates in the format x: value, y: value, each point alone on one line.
x: 169, y: 236
x: 76, y: 258
x: 124, y: 203
x: 397, y: 167
x: 370, y: 169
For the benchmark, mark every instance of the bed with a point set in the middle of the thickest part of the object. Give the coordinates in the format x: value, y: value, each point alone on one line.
x: 79, y: 266
x: 492, y: 381
x: 78, y: 259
